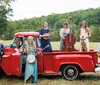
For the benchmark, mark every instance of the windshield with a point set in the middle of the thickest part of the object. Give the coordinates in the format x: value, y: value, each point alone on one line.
x: 17, y: 42
x: 21, y: 41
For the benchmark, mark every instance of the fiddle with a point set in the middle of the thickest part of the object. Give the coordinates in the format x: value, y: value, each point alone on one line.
x: 83, y: 43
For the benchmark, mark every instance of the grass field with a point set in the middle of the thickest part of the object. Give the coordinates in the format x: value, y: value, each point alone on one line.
x: 93, y: 45
x: 85, y: 78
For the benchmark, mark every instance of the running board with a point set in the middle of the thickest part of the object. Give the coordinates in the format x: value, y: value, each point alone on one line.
x: 97, y: 69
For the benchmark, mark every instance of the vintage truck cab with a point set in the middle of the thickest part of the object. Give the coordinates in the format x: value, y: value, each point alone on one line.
x: 69, y: 64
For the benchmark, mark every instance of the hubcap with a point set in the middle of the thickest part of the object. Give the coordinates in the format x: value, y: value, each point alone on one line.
x: 70, y: 72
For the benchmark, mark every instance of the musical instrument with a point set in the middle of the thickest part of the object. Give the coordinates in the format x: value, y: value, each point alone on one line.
x: 69, y: 40
x: 69, y: 46
x: 83, y: 43
x: 46, y: 36
x: 30, y: 58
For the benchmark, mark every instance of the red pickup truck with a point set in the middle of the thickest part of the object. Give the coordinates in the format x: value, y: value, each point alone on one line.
x: 69, y: 64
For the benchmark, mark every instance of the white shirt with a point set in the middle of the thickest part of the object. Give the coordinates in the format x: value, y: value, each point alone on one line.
x: 83, y: 33
x: 62, y: 30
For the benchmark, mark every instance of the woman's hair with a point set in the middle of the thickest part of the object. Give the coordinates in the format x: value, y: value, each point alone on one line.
x: 29, y: 44
x: 65, y: 23
x: 84, y: 22
x: 45, y: 24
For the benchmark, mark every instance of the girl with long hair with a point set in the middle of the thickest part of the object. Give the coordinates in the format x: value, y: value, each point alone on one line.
x: 31, y: 68
x: 85, y: 33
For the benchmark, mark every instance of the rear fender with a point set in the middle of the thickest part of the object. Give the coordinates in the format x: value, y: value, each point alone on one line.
x: 85, y: 62
x: 71, y: 63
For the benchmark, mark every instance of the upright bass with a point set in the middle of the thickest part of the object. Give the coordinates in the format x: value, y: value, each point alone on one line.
x: 69, y: 40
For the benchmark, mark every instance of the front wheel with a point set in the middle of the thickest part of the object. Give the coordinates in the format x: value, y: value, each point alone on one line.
x: 70, y: 72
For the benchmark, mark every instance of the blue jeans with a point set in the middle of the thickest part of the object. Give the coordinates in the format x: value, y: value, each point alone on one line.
x: 61, y: 45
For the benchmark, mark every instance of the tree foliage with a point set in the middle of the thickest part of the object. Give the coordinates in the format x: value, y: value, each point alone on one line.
x: 55, y: 21
x: 5, y: 12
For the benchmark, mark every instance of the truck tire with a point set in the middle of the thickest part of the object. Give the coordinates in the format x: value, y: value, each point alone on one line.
x: 70, y: 72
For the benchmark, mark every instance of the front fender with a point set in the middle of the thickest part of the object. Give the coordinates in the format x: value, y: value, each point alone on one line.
x: 84, y: 61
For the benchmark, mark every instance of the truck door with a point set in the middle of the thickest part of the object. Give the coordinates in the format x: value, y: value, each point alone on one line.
x: 39, y: 57
x: 15, y: 58
x: 5, y: 60
x: 48, y: 62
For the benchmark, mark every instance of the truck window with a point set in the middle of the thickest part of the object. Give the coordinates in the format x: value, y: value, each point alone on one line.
x: 14, y: 43
x: 20, y: 42
x: 17, y: 44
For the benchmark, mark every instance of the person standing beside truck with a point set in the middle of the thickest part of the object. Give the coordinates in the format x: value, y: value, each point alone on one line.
x: 1, y: 51
x: 31, y: 69
x: 85, y: 33
x: 44, y: 34
x: 63, y: 32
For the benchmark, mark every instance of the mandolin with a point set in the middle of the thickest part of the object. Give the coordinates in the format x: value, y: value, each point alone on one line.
x: 46, y: 36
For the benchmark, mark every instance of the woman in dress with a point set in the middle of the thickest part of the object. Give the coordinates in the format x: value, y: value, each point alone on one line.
x: 45, y: 42
x: 31, y: 68
x: 85, y: 33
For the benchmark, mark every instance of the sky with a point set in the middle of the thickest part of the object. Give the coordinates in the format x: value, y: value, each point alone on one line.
x: 35, y: 8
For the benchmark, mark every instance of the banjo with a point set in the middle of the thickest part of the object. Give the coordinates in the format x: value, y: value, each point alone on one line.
x: 31, y: 58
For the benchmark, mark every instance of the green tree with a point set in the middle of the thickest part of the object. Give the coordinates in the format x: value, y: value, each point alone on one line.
x: 5, y: 12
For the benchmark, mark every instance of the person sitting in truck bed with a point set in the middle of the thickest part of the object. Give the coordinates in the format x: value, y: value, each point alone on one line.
x: 45, y: 42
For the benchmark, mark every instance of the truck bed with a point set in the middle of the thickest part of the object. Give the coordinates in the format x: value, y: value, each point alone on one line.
x: 58, y: 52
